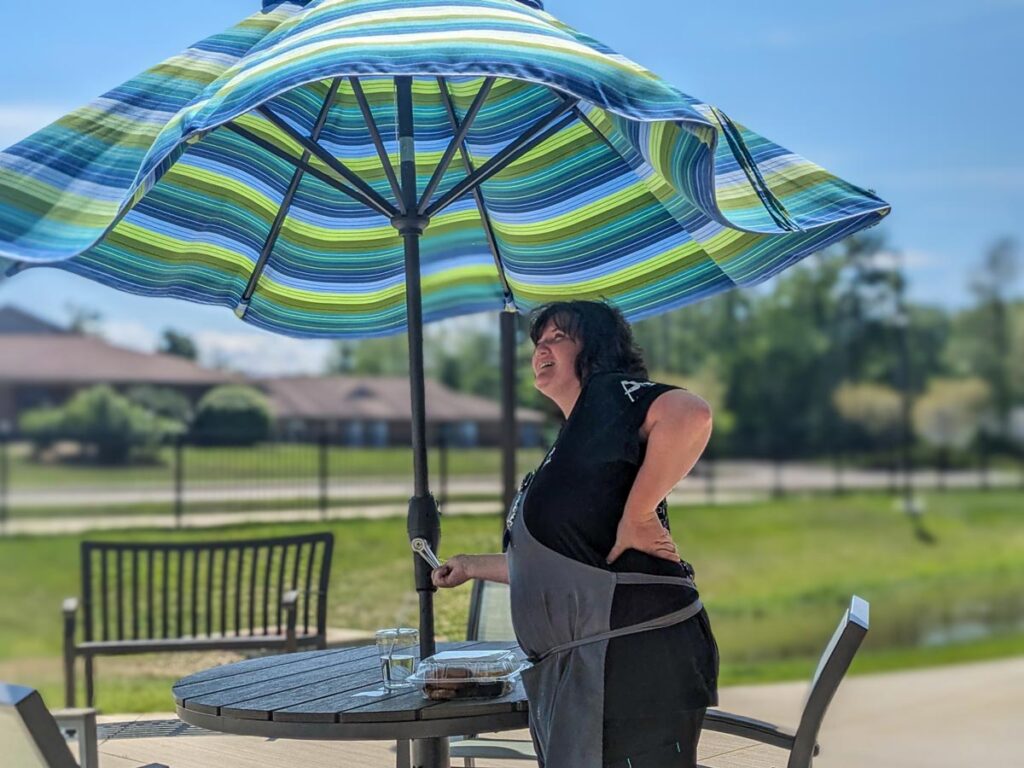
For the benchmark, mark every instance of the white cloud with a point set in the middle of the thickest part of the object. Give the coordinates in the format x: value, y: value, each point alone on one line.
x: 132, y: 335
x: 910, y: 258
x: 19, y: 120
x: 262, y: 354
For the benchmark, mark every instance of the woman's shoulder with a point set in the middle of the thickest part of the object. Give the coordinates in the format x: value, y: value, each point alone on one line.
x: 626, y: 388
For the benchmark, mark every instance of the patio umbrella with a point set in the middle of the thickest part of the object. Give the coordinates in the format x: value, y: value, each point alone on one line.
x: 256, y: 171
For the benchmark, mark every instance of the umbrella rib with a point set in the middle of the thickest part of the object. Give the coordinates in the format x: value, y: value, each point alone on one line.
x: 456, y: 142
x: 297, y: 162
x: 367, y: 194
x: 478, y: 195
x: 371, y: 124
x: 286, y: 202
x: 534, y: 135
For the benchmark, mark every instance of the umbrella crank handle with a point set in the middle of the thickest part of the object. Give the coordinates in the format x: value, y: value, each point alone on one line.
x: 422, y: 548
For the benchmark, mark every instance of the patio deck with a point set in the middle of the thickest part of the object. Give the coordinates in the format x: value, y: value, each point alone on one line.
x: 224, y: 751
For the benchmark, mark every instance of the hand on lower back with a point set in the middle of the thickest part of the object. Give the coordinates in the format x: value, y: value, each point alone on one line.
x: 646, y: 535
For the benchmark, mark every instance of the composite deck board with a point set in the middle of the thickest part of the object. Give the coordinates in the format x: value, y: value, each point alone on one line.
x: 716, y: 750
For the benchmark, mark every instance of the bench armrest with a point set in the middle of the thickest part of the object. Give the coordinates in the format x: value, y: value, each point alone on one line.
x: 80, y: 724
x: 750, y: 728
x: 290, y: 604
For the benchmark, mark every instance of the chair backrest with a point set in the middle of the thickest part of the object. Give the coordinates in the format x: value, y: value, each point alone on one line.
x: 490, y: 612
x: 29, y: 736
x: 156, y: 590
x: 832, y: 667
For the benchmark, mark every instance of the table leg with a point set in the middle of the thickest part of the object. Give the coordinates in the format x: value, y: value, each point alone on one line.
x: 402, y: 760
x: 430, y: 753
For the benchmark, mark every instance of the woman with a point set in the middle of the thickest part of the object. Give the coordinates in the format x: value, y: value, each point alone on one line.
x: 624, y: 660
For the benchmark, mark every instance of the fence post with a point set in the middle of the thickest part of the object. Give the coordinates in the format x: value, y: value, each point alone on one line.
x: 322, y: 474
x: 983, y: 464
x: 179, y: 479
x: 4, y: 482
x: 778, y: 490
x: 442, y: 461
x: 837, y: 473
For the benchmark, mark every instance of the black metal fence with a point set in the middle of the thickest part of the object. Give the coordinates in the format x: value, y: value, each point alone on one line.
x: 321, y: 478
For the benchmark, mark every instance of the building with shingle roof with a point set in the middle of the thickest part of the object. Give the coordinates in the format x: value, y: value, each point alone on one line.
x: 375, y: 410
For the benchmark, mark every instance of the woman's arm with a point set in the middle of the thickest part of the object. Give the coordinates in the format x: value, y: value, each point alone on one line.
x: 677, y: 427
x: 461, y: 568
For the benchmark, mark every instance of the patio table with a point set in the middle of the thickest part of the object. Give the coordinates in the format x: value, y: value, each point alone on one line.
x: 336, y: 694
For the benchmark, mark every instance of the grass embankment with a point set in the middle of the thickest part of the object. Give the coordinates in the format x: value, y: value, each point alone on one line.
x: 775, y: 577
x: 275, y: 462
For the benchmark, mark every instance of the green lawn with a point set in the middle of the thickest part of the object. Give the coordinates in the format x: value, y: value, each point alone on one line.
x: 774, y: 576
x: 271, y: 462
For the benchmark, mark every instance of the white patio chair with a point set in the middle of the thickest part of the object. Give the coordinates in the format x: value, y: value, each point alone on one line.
x: 489, y: 600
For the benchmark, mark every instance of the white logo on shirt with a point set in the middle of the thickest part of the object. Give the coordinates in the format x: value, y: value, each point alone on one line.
x: 629, y: 387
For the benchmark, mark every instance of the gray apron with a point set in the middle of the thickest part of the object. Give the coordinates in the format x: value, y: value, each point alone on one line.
x: 561, y: 611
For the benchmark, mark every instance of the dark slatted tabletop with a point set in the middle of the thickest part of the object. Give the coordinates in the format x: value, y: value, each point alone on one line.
x: 329, y: 695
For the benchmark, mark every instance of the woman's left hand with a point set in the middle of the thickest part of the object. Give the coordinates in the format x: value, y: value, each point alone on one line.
x: 646, y: 535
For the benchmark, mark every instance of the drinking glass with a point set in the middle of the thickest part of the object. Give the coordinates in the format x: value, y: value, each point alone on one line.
x: 397, y: 649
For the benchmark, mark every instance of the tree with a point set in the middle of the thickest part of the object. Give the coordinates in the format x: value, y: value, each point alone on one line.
x: 179, y: 344
x: 986, y: 334
x: 873, y: 408
x: 110, y: 428
x: 163, y: 401
x: 950, y: 414
x: 83, y: 320
x: 232, y: 415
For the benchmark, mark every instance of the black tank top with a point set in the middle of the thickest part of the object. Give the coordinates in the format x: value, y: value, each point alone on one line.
x: 574, y: 506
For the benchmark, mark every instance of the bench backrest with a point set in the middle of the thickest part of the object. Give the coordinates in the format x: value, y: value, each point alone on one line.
x: 29, y: 735
x: 153, y: 591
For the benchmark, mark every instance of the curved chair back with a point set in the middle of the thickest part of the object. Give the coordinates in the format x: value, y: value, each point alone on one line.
x: 831, y: 669
x: 490, y: 613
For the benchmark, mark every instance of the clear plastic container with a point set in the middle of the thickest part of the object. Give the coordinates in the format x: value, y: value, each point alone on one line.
x: 466, y: 674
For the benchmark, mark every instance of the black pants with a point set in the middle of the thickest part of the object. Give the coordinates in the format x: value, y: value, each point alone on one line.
x: 663, y: 742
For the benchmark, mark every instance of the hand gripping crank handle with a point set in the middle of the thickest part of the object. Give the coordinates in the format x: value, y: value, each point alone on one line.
x: 422, y: 548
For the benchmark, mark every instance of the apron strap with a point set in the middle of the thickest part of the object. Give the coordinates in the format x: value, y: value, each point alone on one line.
x: 644, y: 578
x: 659, y: 622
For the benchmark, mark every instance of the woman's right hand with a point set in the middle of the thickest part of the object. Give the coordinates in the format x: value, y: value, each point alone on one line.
x: 453, y: 573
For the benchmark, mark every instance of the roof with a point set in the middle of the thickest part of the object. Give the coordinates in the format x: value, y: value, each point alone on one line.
x: 15, y: 320
x: 76, y: 359
x: 377, y: 397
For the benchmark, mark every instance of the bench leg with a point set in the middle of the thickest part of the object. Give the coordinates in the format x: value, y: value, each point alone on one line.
x: 403, y: 758
x: 69, y: 678
x: 90, y: 691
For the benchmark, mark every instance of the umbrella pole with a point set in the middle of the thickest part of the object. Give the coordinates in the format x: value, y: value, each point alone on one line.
x: 508, y: 408
x: 423, y: 519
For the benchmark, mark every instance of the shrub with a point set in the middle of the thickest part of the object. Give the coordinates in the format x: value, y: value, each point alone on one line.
x: 165, y: 402
x: 109, y: 427
x: 232, y: 415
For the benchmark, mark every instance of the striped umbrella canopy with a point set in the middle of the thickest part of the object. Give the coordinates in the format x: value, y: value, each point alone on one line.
x: 242, y: 173
x: 257, y: 170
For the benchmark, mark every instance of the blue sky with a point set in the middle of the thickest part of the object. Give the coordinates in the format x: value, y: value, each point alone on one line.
x: 920, y: 101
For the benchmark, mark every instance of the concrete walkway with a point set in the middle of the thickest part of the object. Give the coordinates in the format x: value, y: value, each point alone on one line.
x: 969, y: 715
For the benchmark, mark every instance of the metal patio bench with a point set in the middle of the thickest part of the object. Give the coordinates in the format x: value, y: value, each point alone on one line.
x: 490, y: 619
x: 34, y: 737
x: 248, y: 595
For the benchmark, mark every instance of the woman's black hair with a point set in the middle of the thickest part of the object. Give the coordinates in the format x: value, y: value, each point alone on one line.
x: 606, y: 340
